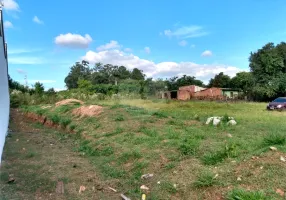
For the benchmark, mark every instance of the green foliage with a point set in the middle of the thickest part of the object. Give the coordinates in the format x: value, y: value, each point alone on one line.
x: 268, y: 66
x: 85, y: 85
x: 131, y: 155
x: 160, y: 114
x: 65, y: 122
x: 205, y: 179
x: 274, y: 139
x: 220, y: 80
x: 77, y: 71
x: 175, y: 82
x: 241, y: 194
x: 137, y: 74
x: 14, y: 85
x: 15, y: 101
x: 169, y: 187
x: 119, y: 117
x: 229, y: 151
x: 243, y: 81
x: 72, y: 127
x: 189, y: 146
x: 39, y: 88
x: 55, y: 118
x: 51, y: 91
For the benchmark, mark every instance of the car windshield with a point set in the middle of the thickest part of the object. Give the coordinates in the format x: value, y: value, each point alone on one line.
x: 280, y: 100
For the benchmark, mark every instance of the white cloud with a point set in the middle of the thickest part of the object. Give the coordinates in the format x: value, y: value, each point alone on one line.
x: 186, y: 32
x: 193, y: 46
x: 73, y: 40
x: 111, y: 45
x: 128, y: 50
x: 183, y: 43
x: 33, y: 81
x: 21, y: 71
x: 207, y: 53
x: 164, y: 69
x: 37, y: 20
x: 21, y: 50
x: 11, y: 5
x: 8, y: 24
x: 147, y: 50
x: 42, y: 81
x: 59, y: 89
x: 25, y: 60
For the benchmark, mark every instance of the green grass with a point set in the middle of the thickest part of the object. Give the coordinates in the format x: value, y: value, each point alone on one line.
x: 55, y: 118
x: 64, y: 122
x: 119, y: 117
x: 206, y: 179
x: 171, y: 140
x: 275, y: 139
x: 240, y: 194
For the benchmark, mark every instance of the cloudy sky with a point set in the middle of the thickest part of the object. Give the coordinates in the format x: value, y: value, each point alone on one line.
x: 163, y: 38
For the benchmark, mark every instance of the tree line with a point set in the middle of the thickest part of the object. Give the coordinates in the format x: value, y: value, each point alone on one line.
x: 265, y: 80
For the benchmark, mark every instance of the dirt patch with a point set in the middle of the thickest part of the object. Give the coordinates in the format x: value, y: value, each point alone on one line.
x: 69, y: 102
x: 89, y: 111
x: 46, y: 162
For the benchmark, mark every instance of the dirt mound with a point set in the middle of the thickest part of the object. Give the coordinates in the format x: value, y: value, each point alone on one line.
x: 68, y: 101
x: 92, y: 110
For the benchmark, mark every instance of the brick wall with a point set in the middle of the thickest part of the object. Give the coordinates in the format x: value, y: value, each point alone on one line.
x: 209, y: 92
x: 184, y: 95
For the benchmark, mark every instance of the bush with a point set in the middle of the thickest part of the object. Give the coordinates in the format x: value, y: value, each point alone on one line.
x: 64, y: 122
x: 55, y: 119
x: 15, y: 101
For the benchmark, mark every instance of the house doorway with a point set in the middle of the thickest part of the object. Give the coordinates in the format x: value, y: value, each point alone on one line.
x: 174, y: 95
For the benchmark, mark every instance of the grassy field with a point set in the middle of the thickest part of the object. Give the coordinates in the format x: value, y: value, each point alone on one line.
x: 189, y: 160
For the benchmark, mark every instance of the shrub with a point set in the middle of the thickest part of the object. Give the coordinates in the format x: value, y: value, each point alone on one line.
x: 15, y: 101
x: 55, y: 119
x: 72, y: 127
x: 64, y: 122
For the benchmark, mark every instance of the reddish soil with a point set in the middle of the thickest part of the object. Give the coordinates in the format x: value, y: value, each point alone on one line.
x: 89, y: 111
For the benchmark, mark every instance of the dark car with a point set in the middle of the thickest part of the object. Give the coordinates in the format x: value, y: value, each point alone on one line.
x: 279, y: 103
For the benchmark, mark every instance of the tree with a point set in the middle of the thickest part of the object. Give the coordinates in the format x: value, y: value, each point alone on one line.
x: 51, y: 91
x: 77, y: 71
x: 174, y: 82
x: 137, y: 74
x: 243, y: 81
x: 39, y: 88
x: 220, y: 80
x: 14, y: 85
x: 268, y: 66
x: 124, y: 73
x: 85, y: 85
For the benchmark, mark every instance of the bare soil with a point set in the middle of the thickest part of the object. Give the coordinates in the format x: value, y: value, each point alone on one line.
x: 89, y: 111
x: 69, y: 102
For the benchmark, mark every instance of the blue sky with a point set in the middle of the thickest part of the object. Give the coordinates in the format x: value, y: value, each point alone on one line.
x: 163, y: 38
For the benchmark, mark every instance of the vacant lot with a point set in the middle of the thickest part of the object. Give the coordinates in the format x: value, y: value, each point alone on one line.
x: 189, y: 160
